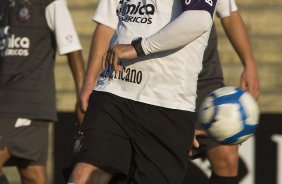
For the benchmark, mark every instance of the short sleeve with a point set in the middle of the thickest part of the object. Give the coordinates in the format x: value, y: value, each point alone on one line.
x: 60, y: 22
x: 106, y: 13
x: 224, y: 8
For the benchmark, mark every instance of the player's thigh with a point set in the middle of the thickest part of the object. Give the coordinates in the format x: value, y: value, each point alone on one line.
x: 28, y: 142
x: 5, y: 128
x: 103, y: 139
x: 33, y: 174
x: 4, y: 156
x: 223, y: 156
x: 204, y: 88
x: 87, y: 173
x: 161, y: 142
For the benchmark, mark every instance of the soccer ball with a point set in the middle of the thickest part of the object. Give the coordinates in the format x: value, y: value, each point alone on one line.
x: 229, y: 115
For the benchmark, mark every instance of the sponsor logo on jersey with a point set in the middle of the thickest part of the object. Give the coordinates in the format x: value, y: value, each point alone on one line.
x: 4, y: 38
x: 126, y: 75
x: 139, y: 13
x: 17, y: 46
x: 129, y: 75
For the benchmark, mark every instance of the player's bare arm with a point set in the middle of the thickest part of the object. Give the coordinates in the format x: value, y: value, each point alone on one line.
x: 236, y: 32
x: 99, y: 46
x: 76, y: 64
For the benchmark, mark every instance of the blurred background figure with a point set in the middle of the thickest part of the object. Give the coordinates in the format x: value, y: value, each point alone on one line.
x: 30, y: 33
x: 224, y: 159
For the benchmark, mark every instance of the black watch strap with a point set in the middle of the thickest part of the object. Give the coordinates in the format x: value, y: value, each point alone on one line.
x: 136, y: 43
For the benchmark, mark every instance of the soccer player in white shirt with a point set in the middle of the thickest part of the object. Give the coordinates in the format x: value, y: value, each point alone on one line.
x: 141, y: 111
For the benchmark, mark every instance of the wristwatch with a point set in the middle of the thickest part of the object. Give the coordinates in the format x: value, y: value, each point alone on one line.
x: 136, y: 43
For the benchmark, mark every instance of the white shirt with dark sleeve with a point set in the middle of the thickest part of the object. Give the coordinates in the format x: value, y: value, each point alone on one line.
x: 175, y: 35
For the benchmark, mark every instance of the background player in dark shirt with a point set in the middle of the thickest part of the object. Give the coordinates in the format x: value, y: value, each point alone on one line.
x: 224, y: 158
x: 31, y: 31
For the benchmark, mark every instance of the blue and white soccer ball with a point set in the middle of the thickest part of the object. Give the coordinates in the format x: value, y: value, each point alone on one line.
x: 229, y: 115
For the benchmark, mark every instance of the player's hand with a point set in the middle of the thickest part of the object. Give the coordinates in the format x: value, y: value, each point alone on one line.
x: 79, y: 112
x: 84, y: 97
x: 250, y: 81
x: 116, y: 53
x: 195, y: 141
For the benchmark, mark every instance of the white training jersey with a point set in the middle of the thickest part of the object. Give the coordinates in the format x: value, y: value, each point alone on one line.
x: 59, y: 20
x: 167, y: 79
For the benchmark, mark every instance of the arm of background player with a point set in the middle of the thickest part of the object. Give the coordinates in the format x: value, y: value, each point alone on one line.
x: 99, y: 45
x: 60, y: 22
x: 237, y: 34
x: 76, y: 64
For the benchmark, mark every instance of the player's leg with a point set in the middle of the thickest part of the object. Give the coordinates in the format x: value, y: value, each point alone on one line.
x: 223, y: 159
x: 224, y: 162
x: 28, y: 145
x: 102, y: 147
x: 160, y: 143
x: 6, y: 125
x: 3, y: 180
x: 33, y: 174
x: 86, y: 173
x: 4, y: 156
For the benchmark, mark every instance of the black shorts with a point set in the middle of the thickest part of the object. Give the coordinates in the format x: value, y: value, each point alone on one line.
x: 28, y: 145
x: 146, y: 142
x: 202, y: 92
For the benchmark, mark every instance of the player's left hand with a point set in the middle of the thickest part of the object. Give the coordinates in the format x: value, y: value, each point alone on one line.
x: 116, y: 53
x: 195, y: 141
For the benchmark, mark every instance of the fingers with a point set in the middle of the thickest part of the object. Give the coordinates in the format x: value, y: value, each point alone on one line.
x: 106, y: 59
x: 84, y: 97
x: 190, y: 153
x: 111, y: 59
x: 196, y: 144
x: 243, y: 85
x: 252, y: 87
x: 83, y: 105
x: 250, y: 82
x: 200, y: 132
x: 79, y: 113
x: 114, y: 60
x: 254, y: 92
